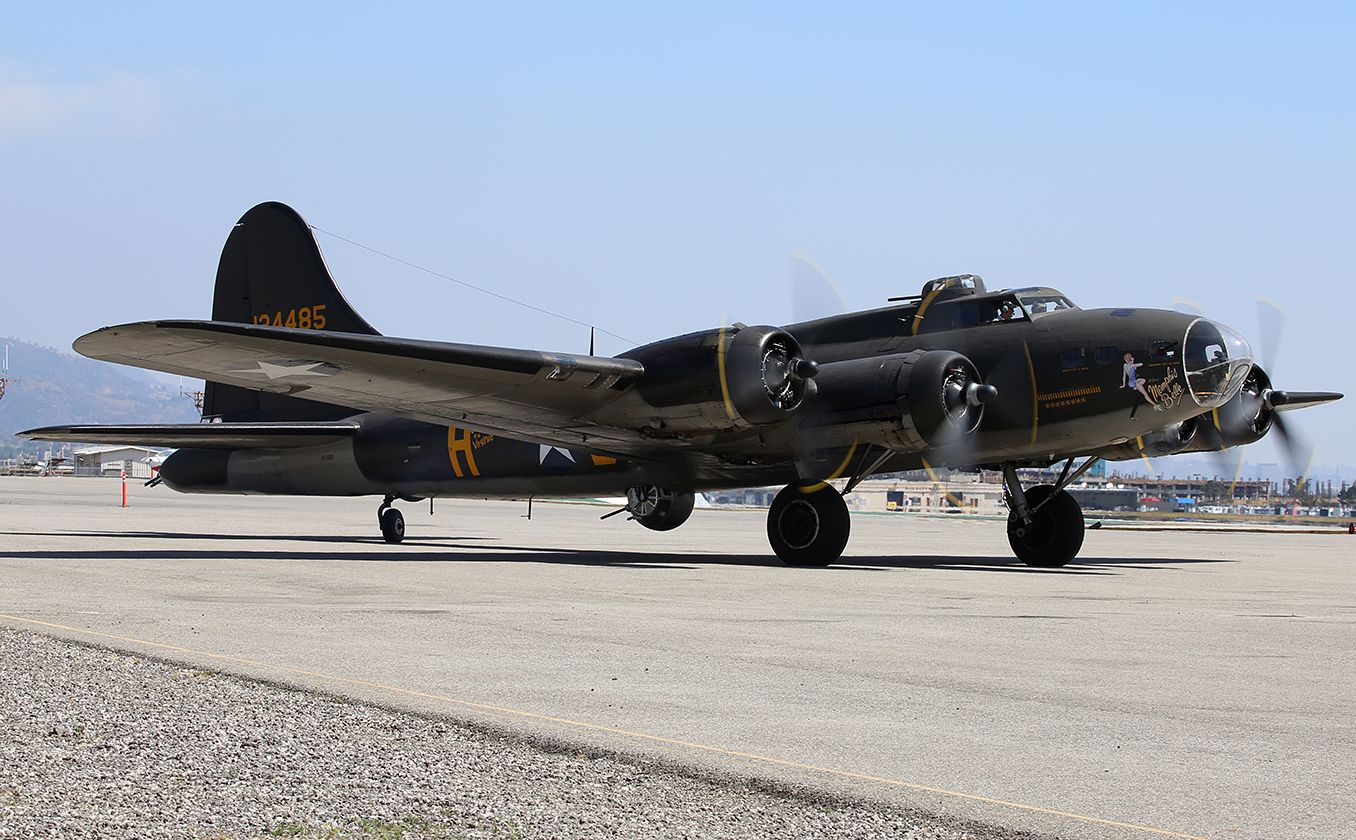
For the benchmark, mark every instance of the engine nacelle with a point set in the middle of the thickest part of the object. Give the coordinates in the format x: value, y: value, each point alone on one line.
x: 1191, y: 435
x: 659, y: 508
x: 908, y: 402
x: 722, y: 379
x: 1247, y: 416
x: 197, y: 471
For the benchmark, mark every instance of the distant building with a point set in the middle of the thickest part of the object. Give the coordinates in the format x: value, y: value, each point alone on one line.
x: 963, y: 494
x: 1106, y: 498
x: 113, y: 460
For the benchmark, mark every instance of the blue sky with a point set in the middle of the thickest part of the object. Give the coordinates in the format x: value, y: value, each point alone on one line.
x: 653, y: 169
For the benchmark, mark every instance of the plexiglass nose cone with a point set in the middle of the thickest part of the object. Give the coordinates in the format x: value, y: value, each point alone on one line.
x: 1216, y: 361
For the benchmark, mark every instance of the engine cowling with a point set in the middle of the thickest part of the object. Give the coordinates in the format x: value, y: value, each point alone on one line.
x: 1247, y: 416
x: 1190, y: 435
x: 659, y: 508
x: 737, y: 377
x: 914, y: 401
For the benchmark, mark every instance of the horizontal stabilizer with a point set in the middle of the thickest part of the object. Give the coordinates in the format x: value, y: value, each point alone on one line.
x: 201, y: 435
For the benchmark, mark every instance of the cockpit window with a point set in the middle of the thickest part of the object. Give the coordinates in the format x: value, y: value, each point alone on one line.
x: 1005, y: 309
x: 952, y: 315
x: 1039, y: 302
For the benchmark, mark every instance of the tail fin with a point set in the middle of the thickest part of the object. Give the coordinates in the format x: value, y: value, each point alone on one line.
x: 271, y: 271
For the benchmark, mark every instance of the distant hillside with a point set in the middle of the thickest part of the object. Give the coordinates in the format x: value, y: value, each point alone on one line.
x: 57, y: 387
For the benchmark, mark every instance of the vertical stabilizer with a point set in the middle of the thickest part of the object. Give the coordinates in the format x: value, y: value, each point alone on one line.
x: 272, y: 272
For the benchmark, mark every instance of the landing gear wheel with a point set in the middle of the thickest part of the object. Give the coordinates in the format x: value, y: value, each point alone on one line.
x: 1056, y: 531
x: 392, y: 525
x: 659, y: 509
x: 808, y: 527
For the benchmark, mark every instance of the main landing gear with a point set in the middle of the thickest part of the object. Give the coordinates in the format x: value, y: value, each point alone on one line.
x: 391, y: 520
x: 808, y: 525
x: 1045, y: 523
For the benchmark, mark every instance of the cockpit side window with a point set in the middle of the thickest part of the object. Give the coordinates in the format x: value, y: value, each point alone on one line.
x: 1004, y: 309
x: 938, y: 317
x: 953, y: 315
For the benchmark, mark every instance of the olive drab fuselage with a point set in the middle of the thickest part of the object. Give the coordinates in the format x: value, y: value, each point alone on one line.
x: 1062, y: 391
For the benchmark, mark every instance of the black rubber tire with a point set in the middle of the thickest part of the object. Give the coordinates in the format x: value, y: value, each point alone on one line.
x: 672, y: 511
x: 392, y: 525
x: 808, y: 526
x: 1056, y: 531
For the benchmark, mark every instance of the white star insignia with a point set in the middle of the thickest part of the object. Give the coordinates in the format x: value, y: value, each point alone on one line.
x: 277, y: 371
x: 547, y: 450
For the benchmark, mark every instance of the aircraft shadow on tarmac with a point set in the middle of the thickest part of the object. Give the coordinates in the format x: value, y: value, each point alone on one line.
x: 461, y: 549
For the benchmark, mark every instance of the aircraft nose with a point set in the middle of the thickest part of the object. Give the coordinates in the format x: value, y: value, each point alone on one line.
x: 1216, y: 360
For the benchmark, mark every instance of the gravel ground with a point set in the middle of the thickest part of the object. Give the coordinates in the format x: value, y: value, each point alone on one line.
x: 98, y: 743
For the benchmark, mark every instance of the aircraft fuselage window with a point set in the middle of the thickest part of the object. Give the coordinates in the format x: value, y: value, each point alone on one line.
x: 1107, y: 355
x: 1164, y: 350
x: 1073, y: 359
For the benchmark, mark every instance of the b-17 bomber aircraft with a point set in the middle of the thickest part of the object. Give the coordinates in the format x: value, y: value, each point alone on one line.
x: 305, y: 397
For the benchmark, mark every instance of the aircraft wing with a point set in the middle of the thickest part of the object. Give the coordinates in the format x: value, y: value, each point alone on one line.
x: 526, y: 394
x: 201, y: 435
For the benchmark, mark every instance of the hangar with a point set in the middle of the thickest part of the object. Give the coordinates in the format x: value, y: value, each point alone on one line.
x: 114, y: 460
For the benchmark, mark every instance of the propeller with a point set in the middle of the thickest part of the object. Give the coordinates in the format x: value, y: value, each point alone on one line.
x: 1258, y: 408
x: 964, y: 397
x: 1299, y: 452
x: 813, y: 292
x: 815, y: 295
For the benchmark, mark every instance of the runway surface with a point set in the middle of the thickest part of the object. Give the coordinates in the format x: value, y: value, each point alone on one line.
x: 1169, y: 684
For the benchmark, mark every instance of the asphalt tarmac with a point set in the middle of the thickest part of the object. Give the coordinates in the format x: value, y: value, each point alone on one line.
x: 1177, y: 684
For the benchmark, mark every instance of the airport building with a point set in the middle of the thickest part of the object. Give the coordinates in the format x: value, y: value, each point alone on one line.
x: 135, y: 461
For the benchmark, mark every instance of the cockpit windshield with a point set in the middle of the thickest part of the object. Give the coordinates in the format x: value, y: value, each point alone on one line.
x: 1038, y: 302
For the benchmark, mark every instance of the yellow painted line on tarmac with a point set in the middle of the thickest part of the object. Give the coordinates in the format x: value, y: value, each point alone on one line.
x: 612, y: 730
